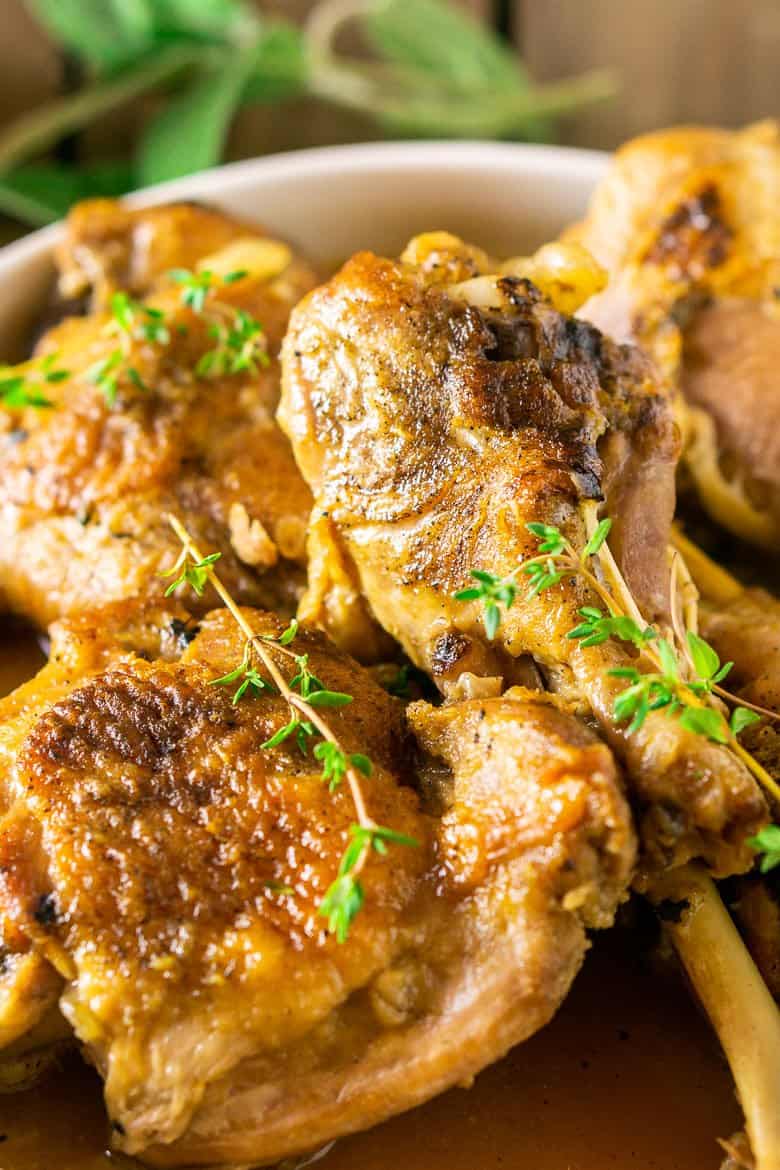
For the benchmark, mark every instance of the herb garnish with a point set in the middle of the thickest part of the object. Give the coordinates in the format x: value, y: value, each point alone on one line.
x: 687, y: 676
x: 18, y: 389
x: 435, y: 71
x: 241, y: 343
x: 130, y: 320
x: 768, y: 843
x: 305, y: 695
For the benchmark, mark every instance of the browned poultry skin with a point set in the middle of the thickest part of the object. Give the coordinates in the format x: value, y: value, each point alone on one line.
x: 161, y: 839
x: 86, y: 486
x: 686, y: 221
x: 431, y: 431
x: 108, y: 246
x: 746, y: 631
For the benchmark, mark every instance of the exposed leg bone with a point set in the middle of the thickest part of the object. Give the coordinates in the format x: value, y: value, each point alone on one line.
x: 735, y: 997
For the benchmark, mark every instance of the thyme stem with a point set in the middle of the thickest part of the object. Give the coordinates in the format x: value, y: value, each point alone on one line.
x: 295, y: 701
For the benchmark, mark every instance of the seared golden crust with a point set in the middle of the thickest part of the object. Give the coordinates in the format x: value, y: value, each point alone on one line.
x: 86, y: 486
x: 109, y: 246
x: 181, y: 865
x: 489, y: 947
x: 686, y: 221
x: 746, y: 631
x: 433, y: 423
x: 527, y: 777
x: 171, y: 869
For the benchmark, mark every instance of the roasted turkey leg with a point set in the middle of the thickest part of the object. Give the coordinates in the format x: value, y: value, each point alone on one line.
x: 432, y: 422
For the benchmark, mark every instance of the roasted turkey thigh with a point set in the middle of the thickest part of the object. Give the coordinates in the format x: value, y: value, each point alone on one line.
x: 180, y: 866
x: 85, y: 485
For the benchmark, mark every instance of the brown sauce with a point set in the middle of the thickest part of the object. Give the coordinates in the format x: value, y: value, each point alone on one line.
x: 627, y: 1075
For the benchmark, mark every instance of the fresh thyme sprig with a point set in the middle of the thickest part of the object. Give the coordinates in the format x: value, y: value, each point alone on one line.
x: 767, y: 842
x: 345, y: 896
x: 130, y: 320
x: 20, y: 389
x: 191, y: 572
x: 555, y: 560
x: 305, y: 695
x: 683, y: 684
x: 241, y: 343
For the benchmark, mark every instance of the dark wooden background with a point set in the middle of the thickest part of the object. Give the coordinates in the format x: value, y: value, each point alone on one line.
x: 677, y: 60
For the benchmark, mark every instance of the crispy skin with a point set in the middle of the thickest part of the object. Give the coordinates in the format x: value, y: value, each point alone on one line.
x: 533, y: 842
x: 108, y: 246
x: 143, y: 814
x: 86, y: 487
x: 432, y: 424
x: 746, y: 631
x: 687, y: 224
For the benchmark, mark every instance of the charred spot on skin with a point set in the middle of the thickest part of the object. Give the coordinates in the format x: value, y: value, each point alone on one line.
x: 45, y: 912
x: 448, y: 651
x: 183, y: 633
x: 519, y: 290
x: 695, y: 235
x: 578, y: 339
x: 586, y: 474
x: 672, y: 911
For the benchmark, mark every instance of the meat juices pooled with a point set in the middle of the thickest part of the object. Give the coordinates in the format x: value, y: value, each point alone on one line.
x: 181, y: 867
x: 86, y: 482
x: 688, y: 226
x: 432, y: 422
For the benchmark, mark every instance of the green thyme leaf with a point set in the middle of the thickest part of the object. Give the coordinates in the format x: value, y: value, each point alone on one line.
x: 105, y: 375
x: 669, y: 663
x: 195, y: 286
x: 741, y: 719
x: 598, y: 627
x: 550, y: 538
x: 705, y: 721
x: 192, y: 573
x: 706, y: 661
x: 598, y: 537
x: 362, y: 763
x: 767, y: 841
x: 16, y: 392
x: 341, y: 905
x: 304, y: 681
x: 287, y: 636
x: 325, y: 698
x: 283, y: 733
x: 242, y: 345
x: 334, y: 763
x: 542, y: 576
x: 494, y: 592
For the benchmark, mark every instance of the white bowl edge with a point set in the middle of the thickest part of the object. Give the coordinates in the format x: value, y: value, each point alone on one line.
x: 332, y: 201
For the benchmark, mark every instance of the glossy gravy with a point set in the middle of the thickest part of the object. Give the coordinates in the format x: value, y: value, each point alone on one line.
x: 628, y: 1075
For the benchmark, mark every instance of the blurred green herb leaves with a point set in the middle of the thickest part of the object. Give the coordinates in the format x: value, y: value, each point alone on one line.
x: 430, y: 70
